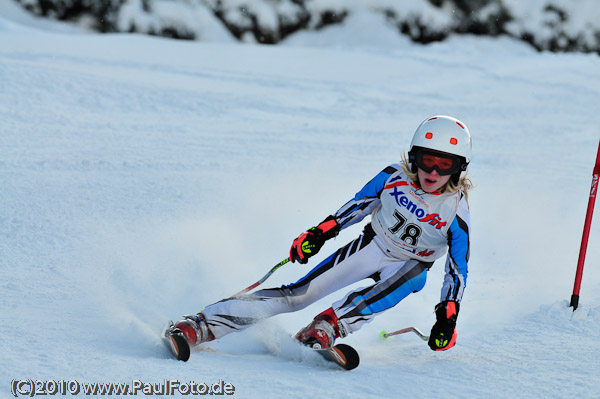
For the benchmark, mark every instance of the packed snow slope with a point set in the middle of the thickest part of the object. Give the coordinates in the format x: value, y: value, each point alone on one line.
x: 144, y: 178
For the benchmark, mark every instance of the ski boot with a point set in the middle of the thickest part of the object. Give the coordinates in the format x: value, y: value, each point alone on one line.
x: 322, y: 331
x: 195, y: 329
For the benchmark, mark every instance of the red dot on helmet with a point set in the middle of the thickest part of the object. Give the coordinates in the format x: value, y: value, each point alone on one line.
x: 460, y: 125
x: 430, y: 119
x: 453, y: 141
x: 428, y: 135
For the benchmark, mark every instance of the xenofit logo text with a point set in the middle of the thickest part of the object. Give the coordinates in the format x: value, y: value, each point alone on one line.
x: 431, y: 218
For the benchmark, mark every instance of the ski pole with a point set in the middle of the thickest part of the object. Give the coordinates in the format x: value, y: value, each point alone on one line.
x: 586, y: 232
x: 262, y: 280
x: 385, y: 335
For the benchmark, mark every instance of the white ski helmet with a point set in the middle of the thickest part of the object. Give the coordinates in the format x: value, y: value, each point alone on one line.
x: 443, y: 134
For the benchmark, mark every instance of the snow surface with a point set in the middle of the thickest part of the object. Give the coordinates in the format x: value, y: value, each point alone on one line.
x: 143, y: 178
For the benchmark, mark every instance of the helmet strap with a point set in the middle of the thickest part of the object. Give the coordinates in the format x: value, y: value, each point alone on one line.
x: 455, y: 178
x: 412, y: 159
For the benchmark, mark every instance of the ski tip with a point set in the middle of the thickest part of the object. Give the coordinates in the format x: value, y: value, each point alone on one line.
x: 178, y: 345
x: 349, y: 356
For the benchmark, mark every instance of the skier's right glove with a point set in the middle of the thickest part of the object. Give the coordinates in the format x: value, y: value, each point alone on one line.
x: 443, y: 333
x: 310, y: 242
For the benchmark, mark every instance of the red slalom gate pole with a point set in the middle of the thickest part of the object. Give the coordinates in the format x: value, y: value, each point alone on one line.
x: 586, y: 233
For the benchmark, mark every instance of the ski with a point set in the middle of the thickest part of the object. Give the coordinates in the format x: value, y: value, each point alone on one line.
x: 343, y: 355
x: 175, y: 340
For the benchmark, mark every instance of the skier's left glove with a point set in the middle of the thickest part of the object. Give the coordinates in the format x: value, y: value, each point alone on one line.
x: 443, y: 332
x: 310, y: 242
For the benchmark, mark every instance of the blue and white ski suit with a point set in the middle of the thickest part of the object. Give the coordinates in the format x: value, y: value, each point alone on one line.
x: 409, y: 229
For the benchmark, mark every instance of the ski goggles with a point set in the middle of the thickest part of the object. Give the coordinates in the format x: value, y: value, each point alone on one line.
x: 444, y: 164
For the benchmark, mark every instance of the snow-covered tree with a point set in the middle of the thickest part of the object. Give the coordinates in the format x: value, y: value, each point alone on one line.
x: 555, y: 25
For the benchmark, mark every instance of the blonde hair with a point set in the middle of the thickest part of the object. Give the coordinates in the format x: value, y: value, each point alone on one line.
x: 464, y: 183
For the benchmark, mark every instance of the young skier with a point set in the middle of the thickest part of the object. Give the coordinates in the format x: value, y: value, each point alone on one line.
x: 418, y: 210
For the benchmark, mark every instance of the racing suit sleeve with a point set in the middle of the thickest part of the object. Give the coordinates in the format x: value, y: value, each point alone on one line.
x: 365, y: 201
x: 455, y: 279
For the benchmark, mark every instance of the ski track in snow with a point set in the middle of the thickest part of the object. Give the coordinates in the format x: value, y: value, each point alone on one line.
x: 143, y: 178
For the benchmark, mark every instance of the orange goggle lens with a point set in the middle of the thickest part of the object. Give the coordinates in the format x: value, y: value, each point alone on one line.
x: 443, y: 164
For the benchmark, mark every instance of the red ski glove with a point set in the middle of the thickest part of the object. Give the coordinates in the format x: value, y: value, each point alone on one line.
x: 443, y: 332
x: 310, y: 242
